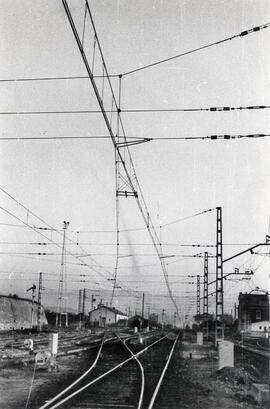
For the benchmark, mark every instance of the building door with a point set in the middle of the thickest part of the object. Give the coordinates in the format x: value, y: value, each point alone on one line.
x: 102, y: 321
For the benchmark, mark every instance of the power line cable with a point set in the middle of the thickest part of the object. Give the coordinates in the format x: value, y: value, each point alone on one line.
x: 194, y: 50
x: 29, y: 212
x: 130, y: 179
x: 139, y: 139
x: 150, y: 110
x: 70, y: 77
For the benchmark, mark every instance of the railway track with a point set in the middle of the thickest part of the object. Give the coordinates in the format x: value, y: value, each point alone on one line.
x: 123, y: 375
x: 256, y: 349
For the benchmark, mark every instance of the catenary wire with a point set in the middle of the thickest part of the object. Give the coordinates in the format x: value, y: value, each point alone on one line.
x: 141, y: 110
x: 194, y: 50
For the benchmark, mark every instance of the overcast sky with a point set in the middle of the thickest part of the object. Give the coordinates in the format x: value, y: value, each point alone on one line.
x: 74, y: 179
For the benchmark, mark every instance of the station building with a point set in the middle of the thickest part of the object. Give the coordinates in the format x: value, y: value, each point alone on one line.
x: 252, y: 309
x: 103, y: 316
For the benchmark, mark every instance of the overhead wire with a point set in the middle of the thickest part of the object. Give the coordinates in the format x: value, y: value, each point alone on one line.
x: 140, y: 202
x: 141, y: 110
x: 140, y: 139
x: 194, y: 50
x: 33, y: 228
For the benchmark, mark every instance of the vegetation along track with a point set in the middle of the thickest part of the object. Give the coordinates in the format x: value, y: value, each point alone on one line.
x: 113, y: 380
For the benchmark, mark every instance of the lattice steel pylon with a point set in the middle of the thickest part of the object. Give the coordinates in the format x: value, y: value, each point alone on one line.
x: 219, y: 277
x: 198, y: 295
x: 40, y: 288
x: 205, y: 284
x: 111, y: 113
x: 62, y: 288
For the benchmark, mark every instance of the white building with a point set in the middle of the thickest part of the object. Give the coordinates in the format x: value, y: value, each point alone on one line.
x: 102, y: 316
x: 260, y: 326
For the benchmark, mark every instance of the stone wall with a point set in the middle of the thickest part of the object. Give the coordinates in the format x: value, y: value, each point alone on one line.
x: 15, y: 313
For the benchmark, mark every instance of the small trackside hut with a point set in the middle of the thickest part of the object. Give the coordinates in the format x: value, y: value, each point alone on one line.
x: 103, y: 316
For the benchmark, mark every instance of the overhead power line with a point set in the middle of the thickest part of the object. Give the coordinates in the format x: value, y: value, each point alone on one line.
x: 26, y: 224
x: 70, y: 77
x: 188, y: 217
x: 138, y: 139
x: 139, y: 110
x: 194, y: 50
x: 127, y: 165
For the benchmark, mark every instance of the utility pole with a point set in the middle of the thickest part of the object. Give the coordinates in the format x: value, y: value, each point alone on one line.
x: 162, y: 318
x: 83, y: 306
x: 205, y: 293
x: 80, y: 308
x: 219, y: 278
x: 205, y: 284
x: 235, y: 307
x: 174, y: 320
x: 62, y: 289
x: 198, y: 296
x: 143, y: 305
x: 39, y: 302
x: 33, y: 289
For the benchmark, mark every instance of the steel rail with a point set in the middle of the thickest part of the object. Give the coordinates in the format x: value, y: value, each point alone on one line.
x: 120, y: 365
x: 141, y: 369
x: 48, y: 403
x: 249, y: 348
x: 162, y: 375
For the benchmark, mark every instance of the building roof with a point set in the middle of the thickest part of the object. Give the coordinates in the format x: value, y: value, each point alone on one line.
x: 113, y: 310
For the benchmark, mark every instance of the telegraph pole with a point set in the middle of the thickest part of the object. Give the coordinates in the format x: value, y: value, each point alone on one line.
x: 143, y: 305
x: 39, y: 302
x: 62, y: 284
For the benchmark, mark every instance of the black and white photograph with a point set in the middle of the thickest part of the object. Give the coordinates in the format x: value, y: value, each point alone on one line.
x: 134, y: 204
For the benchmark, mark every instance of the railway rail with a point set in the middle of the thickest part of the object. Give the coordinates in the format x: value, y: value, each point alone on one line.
x: 256, y: 349
x: 131, y: 388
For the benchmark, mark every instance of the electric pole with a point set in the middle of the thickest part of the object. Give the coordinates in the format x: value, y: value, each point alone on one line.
x: 83, y: 306
x: 143, y: 305
x: 162, y: 318
x: 198, y: 296
x: 205, y: 285
x: 219, y: 278
x: 33, y: 289
x: 62, y: 289
x: 39, y: 302
x: 80, y: 308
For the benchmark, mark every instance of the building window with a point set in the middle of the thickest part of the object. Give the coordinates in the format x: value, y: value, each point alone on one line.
x: 260, y: 327
x: 258, y: 315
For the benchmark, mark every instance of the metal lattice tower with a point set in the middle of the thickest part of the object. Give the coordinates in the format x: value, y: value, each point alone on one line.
x: 83, y: 303
x: 198, y: 296
x: 205, y: 284
x: 39, y: 302
x: 219, y: 267
x: 62, y: 289
x: 127, y: 182
x: 219, y: 331
x: 80, y: 302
